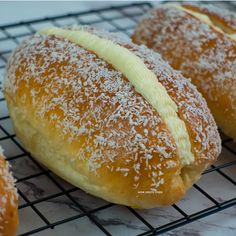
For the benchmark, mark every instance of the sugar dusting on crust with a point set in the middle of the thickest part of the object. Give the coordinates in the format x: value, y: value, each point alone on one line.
x: 10, y: 193
x: 85, y: 97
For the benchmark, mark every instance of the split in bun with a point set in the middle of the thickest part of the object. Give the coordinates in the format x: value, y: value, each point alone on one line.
x: 109, y: 116
x: 200, y: 42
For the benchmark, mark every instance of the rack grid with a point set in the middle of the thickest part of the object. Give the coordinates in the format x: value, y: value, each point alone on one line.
x: 30, y: 174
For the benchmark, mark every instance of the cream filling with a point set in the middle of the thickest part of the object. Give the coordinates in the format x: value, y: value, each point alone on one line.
x: 135, y: 70
x: 204, y: 18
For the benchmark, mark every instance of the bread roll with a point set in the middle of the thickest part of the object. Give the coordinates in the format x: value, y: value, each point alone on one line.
x: 8, y: 200
x: 200, y: 42
x: 109, y: 116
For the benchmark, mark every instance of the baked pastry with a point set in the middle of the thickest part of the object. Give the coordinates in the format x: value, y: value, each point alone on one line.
x: 200, y: 42
x: 8, y: 200
x: 109, y: 116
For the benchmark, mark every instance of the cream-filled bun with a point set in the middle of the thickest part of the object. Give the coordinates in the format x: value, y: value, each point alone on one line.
x: 109, y: 116
x: 8, y: 200
x: 200, y: 42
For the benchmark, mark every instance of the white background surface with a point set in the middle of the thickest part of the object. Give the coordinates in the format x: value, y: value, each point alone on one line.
x: 11, y: 12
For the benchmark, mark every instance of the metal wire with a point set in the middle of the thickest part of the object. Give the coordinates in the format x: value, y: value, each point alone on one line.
x: 109, y: 16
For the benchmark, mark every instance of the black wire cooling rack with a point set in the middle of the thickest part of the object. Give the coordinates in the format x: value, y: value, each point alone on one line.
x: 42, y: 193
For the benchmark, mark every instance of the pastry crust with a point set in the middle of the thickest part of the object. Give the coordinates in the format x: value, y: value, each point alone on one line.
x: 135, y: 70
x: 203, y: 47
x: 8, y: 200
x: 221, y: 18
x: 83, y: 119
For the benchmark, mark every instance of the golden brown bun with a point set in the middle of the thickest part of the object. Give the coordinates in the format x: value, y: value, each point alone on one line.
x: 8, y: 201
x: 200, y: 51
x: 82, y: 119
x: 221, y: 18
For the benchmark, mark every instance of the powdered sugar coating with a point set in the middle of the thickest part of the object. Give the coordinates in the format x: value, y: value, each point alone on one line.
x: 91, y: 103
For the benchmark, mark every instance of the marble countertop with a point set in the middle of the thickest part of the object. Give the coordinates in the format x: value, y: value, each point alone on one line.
x: 115, y: 219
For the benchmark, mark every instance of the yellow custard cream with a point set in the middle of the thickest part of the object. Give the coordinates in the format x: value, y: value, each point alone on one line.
x: 135, y: 70
x: 204, y: 18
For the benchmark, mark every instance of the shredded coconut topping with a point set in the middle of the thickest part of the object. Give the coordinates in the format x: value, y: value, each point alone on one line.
x: 208, y: 49
x: 225, y: 17
x: 194, y: 38
x: 9, y: 192
x: 91, y: 103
